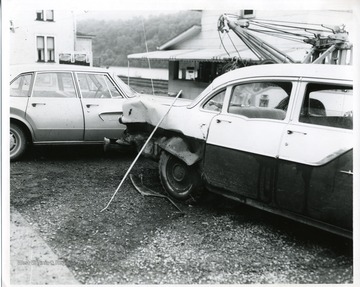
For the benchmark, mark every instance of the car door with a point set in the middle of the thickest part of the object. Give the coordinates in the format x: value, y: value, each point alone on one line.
x: 54, y: 110
x: 102, y: 103
x: 315, y: 158
x: 243, y: 141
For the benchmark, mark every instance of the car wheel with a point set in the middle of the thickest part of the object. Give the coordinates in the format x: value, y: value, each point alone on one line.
x: 178, y: 179
x: 17, y: 142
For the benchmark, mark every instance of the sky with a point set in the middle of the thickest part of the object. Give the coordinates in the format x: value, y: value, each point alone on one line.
x: 147, y: 6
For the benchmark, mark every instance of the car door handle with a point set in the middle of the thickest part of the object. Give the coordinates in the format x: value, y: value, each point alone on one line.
x: 219, y: 121
x: 289, y: 132
x: 36, y: 104
x: 111, y: 114
x: 89, y: 105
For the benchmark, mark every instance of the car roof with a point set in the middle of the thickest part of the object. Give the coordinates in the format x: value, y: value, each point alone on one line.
x: 319, y: 71
x: 19, y: 69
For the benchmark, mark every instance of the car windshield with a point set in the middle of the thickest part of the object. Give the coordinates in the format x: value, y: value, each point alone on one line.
x: 130, y: 92
x: 202, y: 95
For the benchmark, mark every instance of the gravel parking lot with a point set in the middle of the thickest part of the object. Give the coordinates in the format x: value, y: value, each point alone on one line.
x: 60, y: 191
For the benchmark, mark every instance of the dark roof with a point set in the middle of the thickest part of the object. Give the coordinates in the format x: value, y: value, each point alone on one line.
x: 80, y: 34
x: 188, y: 33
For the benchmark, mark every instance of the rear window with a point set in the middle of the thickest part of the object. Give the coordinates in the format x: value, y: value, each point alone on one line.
x: 328, y: 105
x: 20, y: 87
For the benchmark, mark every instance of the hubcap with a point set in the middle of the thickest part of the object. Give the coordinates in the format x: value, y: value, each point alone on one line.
x: 178, y: 176
x: 179, y: 172
x: 13, y: 141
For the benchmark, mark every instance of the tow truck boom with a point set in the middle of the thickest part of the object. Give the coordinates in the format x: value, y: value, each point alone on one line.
x: 329, y: 45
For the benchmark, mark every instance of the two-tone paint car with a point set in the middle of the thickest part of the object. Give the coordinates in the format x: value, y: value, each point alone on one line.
x: 277, y: 137
x: 63, y: 104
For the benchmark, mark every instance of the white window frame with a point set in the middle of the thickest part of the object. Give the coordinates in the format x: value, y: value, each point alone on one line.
x: 49, y: 19
x: 244, y: 14
x: 46, y: 49
x: 50, y: 51
x: 42, y: 48
x: 44, y: 14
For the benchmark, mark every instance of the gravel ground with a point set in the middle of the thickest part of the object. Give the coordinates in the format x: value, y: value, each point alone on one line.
x: 60, y: 191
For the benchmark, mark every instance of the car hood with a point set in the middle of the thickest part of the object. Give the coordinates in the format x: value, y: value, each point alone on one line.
x: 180, y: 118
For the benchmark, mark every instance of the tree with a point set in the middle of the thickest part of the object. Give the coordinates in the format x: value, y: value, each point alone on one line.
x: 114, y: 40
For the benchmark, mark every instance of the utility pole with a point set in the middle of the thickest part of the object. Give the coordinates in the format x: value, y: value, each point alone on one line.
x: 74, y: 28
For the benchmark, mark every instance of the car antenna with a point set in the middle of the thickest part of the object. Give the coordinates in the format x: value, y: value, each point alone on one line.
x: 147, y: 52
x: 140, y: 152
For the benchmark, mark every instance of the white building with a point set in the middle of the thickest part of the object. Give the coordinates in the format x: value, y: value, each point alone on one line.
x: 47, y: 36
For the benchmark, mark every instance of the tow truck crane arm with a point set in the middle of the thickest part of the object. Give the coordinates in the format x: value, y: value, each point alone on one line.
x: 328, y: 45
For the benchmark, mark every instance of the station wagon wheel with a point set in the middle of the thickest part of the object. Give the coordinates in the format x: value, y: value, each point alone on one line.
x: 17, y: 142
x: 178, y: 179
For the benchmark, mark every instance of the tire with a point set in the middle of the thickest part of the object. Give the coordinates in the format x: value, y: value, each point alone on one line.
x: 178, y: 179
x: 18, y: 142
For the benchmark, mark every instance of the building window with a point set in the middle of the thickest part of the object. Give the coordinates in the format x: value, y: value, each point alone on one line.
x: 40, y: 43
x: 49, y: 15
x: 50, y: 49
x: 40, y: 15
x: 247, y: 14
x: 45, y: 49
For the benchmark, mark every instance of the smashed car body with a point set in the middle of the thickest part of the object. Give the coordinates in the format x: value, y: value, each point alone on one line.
x: 276, y: 137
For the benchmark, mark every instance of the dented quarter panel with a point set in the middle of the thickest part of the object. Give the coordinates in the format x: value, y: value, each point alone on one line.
x: 179, y: 148
x: 186, y: 121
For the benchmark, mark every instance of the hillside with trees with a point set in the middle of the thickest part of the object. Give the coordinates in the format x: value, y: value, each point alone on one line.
x: 114, y: 40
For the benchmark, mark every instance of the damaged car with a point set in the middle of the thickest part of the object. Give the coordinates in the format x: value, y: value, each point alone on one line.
x: 276, y: 137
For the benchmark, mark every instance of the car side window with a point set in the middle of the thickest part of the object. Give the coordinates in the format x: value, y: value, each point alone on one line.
x: 54, y: 85
x: 216, y: 102
x: 328, y: 105
x: 261, y: 100
x: 21, y: 86
x: 97, y: 86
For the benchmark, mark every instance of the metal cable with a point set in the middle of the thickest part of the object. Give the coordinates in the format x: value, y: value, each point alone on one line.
x: 298, y: 23
x: 147, y: 51
x: 281, y: 31
x: 278, y: 34
x: 222, y: 43
x: 240, y: 58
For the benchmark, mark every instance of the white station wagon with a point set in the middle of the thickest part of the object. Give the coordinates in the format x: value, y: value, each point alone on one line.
x: 277, y: 137
x: 63, y: 104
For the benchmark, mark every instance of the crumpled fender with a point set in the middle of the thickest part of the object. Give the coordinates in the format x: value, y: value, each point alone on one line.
x: 180, y: 149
